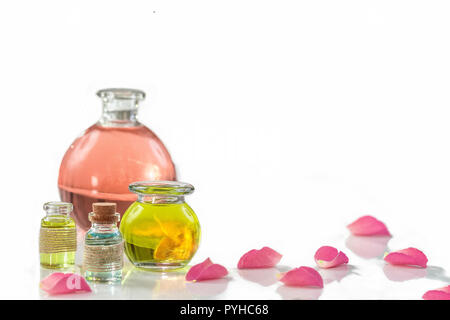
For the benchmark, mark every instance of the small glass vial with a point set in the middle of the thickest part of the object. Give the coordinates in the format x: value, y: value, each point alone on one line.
x: 103, y: 249
x: 57, y: 237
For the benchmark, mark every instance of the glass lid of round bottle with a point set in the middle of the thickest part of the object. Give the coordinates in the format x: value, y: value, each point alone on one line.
x: 161, y: 188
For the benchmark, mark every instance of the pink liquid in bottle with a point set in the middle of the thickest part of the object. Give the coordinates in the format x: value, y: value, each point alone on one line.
x: 111, y: 154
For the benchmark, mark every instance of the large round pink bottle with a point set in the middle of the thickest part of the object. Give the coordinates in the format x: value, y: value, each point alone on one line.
x: 111, y: 154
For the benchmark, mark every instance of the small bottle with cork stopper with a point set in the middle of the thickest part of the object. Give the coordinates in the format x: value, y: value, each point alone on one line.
x: 103, y: 249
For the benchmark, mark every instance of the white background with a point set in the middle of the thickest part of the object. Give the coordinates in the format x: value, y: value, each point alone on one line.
x: 291, y: 119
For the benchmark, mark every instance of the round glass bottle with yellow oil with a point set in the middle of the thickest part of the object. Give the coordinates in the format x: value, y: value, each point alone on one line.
x: 160, y: 230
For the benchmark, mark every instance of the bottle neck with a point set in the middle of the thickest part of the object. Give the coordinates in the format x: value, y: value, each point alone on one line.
x: 57, y: 217
x: 104, y: 227
x: 160, y: 199
x: 119, y: 113
x: 58, y: 209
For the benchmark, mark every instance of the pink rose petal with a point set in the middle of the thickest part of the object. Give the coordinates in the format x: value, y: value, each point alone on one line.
x: 263, y: 258
x: 368, y: 226
x: 63, y: 283
x: 329, y: 257
x: 407, y: 257
x: 51, y: 280
x: 438, y: 294
x: 206, y: 271
x: 302, y: 277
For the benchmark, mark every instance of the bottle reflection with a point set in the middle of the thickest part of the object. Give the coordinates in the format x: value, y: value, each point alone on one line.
x: 141, y: 284
x: 170, y: 286
x: 44, y: 272
x: 101, y: 291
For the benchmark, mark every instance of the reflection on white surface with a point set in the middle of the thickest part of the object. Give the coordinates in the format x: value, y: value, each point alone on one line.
x: 265, y: 277
x: 403, y: 273
x: 336, y: 274
x: 207, y: 289
x: 43, y: 272
x: 142, y: 284
x: 368, y: 247
x: 364, y: 278
x: 170, y: 288
x: 297, y: 293
x: 103, y: 291
x: 343, y: 282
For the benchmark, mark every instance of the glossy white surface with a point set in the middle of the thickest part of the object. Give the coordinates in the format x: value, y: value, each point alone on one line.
x: 367, y: 276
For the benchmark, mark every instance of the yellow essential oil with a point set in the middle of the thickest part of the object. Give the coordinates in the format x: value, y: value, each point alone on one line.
x: 160, y: 231
x: 57, y: 238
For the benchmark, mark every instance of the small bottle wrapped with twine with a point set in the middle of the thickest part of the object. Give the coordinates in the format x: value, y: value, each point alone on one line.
x: 104, y: 253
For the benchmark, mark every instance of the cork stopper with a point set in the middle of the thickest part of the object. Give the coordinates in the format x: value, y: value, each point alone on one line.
x: 104, y: 212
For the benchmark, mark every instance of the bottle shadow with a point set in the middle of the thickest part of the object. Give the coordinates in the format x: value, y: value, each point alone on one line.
x: 368, y: 247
